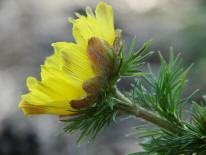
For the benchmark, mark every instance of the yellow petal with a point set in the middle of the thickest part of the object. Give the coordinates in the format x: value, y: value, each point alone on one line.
x: 54, y: 60
x: 84, y: 28
x: 62, y: 77
x: 89, y: 12
x: 55, y: 88
x: 76, y: 62
x: 51, y: 96
x: 102, y: 26
x: 33, y: 99
x: 104, y: 15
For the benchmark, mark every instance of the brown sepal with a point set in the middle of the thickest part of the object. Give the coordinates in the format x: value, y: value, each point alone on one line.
x: 97, y: 52
x: 81, y: 103
x: 118, y: 37
x: 92, y: 87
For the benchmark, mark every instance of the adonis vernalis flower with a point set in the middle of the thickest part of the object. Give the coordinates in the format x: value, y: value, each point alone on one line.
x: 73, y: 76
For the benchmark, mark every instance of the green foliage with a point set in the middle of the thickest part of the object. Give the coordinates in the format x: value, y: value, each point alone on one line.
x: 92, y: 120
x: 191, y: 139
x: 164, y: 93
x: 164, y: 98
x: 129, y: 65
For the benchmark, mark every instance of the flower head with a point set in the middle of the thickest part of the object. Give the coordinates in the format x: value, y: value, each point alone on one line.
x: 73, y: 76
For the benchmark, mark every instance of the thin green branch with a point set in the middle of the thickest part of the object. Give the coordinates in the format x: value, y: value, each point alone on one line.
x: 139, y: 112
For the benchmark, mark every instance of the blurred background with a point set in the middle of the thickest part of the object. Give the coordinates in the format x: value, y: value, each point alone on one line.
x: 27, y: 29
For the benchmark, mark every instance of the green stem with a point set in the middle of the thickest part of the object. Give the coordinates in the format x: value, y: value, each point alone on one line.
x: 144, y: 114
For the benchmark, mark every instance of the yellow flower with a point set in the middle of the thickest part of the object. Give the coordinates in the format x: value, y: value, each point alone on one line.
x: 73, y: 75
